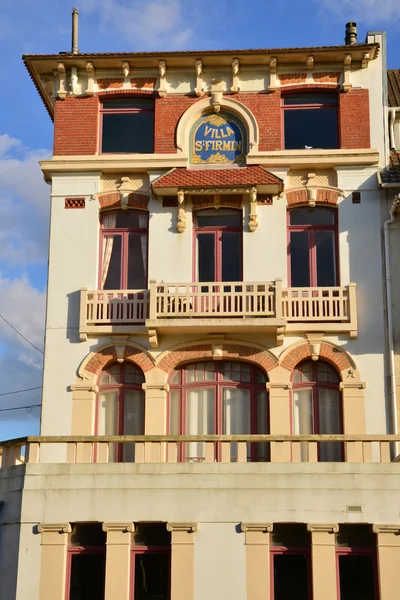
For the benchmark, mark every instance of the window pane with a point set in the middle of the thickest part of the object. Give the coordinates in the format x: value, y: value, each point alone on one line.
x: 128, y: 132
x: 302, y: 411
x: 356, y: 574
x: 143, y: 103
x: 291, y: 577
x: 326, y: 260
x: 310, y: 128
x: 87, y: 576
x: 206, y: 257
x: 108, y: 413
x: 219, y: 218
x: 137, y: 261
x: 112, y: 259
x: 326, y: 373
x: 299, y: 259
x: 133, y: 375
x: 231, y: 257
x: 151, y: 577
x: 303, y: 372
x: 131, y: 219
x: 262, y: 452
x: 312, y: 216
x: 329, y: 422
x: 199, y: 419
x: 235, y: 411
x: 133, y: 420
x: 174, y: 413
x: 310, y: 98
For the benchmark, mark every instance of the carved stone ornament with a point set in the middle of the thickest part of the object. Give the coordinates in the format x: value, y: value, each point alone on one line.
x: 315, y: 340
x: 125, y: 188
x: 253, y: 224
x: 125, y: 69
x: 235, y: 76
x: 90, y: 79
x: 312, y: 189
x: 162, y: 69
x: 217, y: 91
x: 62, y: 75
x: 310, y: 62
x: 347, y: 70
x: 272, y: 74
x: 181, y: 224
x: 199, y: 77
x: 365, y: 60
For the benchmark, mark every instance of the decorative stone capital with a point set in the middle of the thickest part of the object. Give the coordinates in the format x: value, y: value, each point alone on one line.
x: 163, y: 387
x: 352, y: 385
x: 121, y: 527
x: 310, y: 62
x: 183, y: 527
x: 392, y: 529
x: 235, y: 76
x: 162, y: 69
x: 198, y: 65
x: 54, y: 528
x: 272, y: 73
x: 91, y: 78
x: 323, y: 528
x: 256, y: 527
x: 125, y: 69
x: 277, y: 385
x: 84, y: 387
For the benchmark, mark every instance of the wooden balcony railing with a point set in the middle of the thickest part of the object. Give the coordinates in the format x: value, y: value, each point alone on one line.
x: 204, y: 449
x: 244, y: 304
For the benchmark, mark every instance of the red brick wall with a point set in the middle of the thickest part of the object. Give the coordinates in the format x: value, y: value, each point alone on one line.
x: 76, y: 121
x: 76, y: 126
x: 354, y: 119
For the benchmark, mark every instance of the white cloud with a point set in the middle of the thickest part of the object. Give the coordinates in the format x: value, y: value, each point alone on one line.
x: 366, y: 11
x: 155, y: 23
x: 24, y: 204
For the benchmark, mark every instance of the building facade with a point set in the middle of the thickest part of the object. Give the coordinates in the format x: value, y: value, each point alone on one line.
x: 217, y: 408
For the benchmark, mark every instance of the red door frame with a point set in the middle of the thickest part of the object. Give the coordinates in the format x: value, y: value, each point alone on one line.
x: 217, y: 231
x: 312, y: 251
x: 79, y: 550
x: 218, y: 384
x: 345, y: 551
x: 148, y: 550
x: 279, y: 550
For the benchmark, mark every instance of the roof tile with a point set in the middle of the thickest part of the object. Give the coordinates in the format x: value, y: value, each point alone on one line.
x: 394, y: 87
x: 392, y: 173
x: 185, y: 178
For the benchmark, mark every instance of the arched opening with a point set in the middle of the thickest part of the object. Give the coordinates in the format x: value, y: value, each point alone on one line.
x: 120, y: 407
x: 317, y: 406
x: 219, y: 398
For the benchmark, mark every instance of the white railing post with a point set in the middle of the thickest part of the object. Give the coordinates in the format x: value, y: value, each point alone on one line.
x: 278, y: 298
x: 82, y: 310
x: 153, y: 300
x: 352, y: 289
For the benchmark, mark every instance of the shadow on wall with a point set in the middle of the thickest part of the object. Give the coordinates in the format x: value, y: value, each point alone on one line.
x: 73, y: 312
x: 10, y: 531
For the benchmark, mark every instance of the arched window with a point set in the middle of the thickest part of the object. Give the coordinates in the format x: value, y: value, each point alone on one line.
x: 219, y: 398
x: 317, y: 405
x: 120, y: 407
x: 123, y: 250
x: 313, y: 259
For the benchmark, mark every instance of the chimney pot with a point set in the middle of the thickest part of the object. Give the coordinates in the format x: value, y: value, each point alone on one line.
x: 75, y: 18
x: 351, y: 34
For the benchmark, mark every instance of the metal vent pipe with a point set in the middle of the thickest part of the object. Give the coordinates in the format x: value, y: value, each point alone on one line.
x: 75, y: 18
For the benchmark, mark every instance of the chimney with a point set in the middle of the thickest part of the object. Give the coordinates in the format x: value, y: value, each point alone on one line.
x: 75, y: 17
x: 351, y: 34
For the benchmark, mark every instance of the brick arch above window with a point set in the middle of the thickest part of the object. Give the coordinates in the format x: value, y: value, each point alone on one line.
x: 100, y: 358
x: 111, y: 200
x: 323, y: 196
x: 217, y: 351
x: 295, y: 354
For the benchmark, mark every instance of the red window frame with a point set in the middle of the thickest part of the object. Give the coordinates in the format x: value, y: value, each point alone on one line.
x: 279, y: 550
x: 124, y: 233
x: 345, y: 551
x: 312, y: 250
x: 126, y: 110
x: 217, y: 384
x: 315, y: 387
x: 312, y: 106
x: 135, y: 550
x: 73, y: 550
x: 119, y: 387
x: 217, y: 230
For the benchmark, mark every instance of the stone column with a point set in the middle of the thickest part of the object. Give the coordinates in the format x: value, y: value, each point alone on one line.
x: 83, y: 416
x: 118, y: 560
x: 323, y: 560
x: 155, y: 418
x: 354, y: 419
x: 388, y: 544
x: 258, y: 560
x: 280, y: 419
x: 182, y: 560
x: 53, y: 567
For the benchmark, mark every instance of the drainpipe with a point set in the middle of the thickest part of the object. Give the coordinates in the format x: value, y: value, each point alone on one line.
x: 388, y: 283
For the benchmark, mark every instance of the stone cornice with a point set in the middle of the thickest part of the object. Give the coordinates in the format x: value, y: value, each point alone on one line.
x: 256, y: 527
x: 183, y: 527
x: 124, y: 527
x: 393, y: 529
x: 54, y: 528
x: 323, y: 527
x: 164, y: 387
x: 284, y: 385
x: 352, y: 385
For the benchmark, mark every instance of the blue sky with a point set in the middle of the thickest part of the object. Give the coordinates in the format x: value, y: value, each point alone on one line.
x: 44, y: 26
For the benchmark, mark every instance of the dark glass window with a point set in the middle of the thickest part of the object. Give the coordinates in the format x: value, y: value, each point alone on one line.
x: 310, y: 121
x: 357, y: 562
x: 151, y: 581
x: 128, y: 125
x: 291, y: 576
x: 313, y: 247
x: 86, y: 562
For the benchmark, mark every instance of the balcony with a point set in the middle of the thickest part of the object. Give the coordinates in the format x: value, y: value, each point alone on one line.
x: 210, y: 307
x: 214, y: 449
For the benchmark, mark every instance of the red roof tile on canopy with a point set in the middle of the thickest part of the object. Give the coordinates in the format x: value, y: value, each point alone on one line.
x: 244, y: 176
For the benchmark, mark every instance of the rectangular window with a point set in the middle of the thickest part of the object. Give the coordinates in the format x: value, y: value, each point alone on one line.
x: 291, y: 565
x: 310, y: 120
x: 86, y: 562
x: 356, y: 562
x: 127, y: 125
x: 151, y: 562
